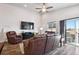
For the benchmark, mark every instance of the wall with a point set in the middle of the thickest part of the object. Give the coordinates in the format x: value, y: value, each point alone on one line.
x: 65, y: 13
x: 11, y: 16
x: 61, y: 14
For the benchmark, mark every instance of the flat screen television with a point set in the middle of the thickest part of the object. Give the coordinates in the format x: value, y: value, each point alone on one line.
x: 27, y: 25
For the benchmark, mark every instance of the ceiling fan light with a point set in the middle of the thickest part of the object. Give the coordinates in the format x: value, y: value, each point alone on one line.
x: 43, y: 10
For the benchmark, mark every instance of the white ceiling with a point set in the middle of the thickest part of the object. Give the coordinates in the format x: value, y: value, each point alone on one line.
x: 32, y: 6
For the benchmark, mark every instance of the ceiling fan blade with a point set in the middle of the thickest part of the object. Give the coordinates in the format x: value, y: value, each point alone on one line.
x: 49, y: 7
x: 38, y: 8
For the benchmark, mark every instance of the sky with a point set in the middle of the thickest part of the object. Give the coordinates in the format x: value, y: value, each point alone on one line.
x: 71, y: 24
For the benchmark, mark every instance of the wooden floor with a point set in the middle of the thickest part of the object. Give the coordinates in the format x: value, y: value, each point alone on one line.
x: 10, y: 49
x: 66, y: 50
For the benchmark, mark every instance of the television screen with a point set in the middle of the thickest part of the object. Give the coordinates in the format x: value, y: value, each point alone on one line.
x: 27, y: 25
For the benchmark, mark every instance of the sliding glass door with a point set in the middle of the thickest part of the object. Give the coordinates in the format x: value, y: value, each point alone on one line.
x: 72, y: 30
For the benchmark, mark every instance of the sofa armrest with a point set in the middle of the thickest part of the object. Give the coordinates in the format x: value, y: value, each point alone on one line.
x: 26, y: 46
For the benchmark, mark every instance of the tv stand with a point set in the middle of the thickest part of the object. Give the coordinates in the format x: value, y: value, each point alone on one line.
x: 27, y: 35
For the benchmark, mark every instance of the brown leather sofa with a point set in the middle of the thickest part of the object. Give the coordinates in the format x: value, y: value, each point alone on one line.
x: 35, y: 45
x: 13, y: 38
x: 41, y: 44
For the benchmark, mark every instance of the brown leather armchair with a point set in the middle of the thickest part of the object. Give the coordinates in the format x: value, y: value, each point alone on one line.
x: 13, y: 38
x: 35, y: 45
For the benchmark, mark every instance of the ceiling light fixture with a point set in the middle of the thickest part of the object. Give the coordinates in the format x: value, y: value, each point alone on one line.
x: 43, y: 10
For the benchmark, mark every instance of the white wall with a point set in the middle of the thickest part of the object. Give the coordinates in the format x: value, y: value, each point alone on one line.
x: 61, y: 14
x: 65, y: 13
x: 11, y: 16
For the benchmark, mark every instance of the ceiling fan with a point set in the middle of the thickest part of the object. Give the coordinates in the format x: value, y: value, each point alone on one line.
x: 44, y: 8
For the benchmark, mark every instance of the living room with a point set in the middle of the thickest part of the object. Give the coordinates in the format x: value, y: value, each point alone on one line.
x: 29, y: 18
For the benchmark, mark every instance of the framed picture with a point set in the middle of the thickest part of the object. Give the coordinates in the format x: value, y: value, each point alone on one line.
x: 52, y: 24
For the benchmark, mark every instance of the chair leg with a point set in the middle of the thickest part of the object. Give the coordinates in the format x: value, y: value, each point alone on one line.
x: 21, y: 47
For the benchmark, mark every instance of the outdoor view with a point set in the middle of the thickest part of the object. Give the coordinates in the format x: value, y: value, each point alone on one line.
x: 72, y: 30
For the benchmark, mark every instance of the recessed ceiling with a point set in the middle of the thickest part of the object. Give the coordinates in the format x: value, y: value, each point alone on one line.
x: 32, y: 6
